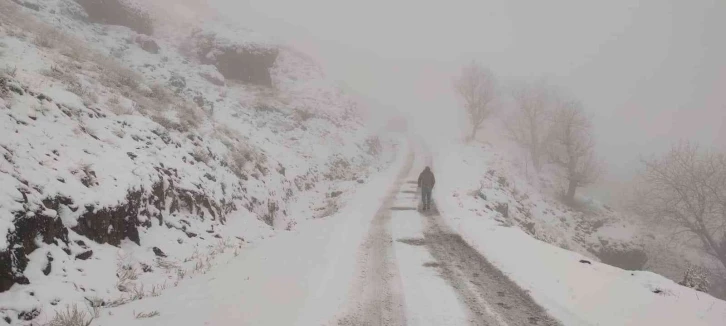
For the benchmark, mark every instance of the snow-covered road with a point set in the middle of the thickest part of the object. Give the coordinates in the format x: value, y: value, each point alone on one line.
x: 378, y: 262
x: 415, y: 271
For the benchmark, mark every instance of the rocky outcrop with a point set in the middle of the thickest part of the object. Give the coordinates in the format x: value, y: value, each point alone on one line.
x: 42, y: 224
x: 119, y: 12
x: 632, y: 259
x: 247, y: 62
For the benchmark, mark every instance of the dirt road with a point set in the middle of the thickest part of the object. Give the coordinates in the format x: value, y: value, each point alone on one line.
x: 414, y: 270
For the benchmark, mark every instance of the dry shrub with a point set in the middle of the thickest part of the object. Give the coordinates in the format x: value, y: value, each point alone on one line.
x: 118, y: 109
x: 128, y: 78
x: 239, y: 155
x: 78, y: 89
x: 304, y: 114
x: 160, y: 94
x: 61, y: 75
x: 339, y: 169
x: 114, y: 100
x: 696, y: 277
x: 72, y: 316
x: 330, y: 207
x: 201, y: 155
x: 190, y: 116
x: 150, y: 314
x: 167, y: 123
x: 47, y: 40
x: 10, y: 71
x: 374, y: 146
x: 126, y: 273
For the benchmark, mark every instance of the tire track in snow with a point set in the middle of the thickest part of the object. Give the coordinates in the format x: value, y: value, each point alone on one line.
x: 477, y: 282
x: 377, y: 297
x: 488, y: 296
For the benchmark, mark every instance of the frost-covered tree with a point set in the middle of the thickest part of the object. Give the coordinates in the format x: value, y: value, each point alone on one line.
x: 572, y: 147
x: 696, y: 277
x: 687, y: 188
x: 529, y: 123
x: 477, y: 87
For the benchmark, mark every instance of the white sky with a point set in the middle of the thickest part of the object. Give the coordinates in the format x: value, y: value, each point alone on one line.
x: 650, y: 72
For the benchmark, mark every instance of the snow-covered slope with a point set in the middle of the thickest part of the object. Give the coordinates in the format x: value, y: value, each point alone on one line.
x: 552, y: 251
x: 128, y: 162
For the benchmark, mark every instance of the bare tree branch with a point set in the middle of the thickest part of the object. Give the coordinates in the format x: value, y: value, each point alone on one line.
x: 688, y: 188
x: 477, y: 87
x: 529, y: 124
x: 572, y: 146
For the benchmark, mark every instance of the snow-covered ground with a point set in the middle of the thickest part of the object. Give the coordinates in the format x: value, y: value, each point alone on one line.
x: 127, y: 166
x: 573, y: 287
x: 139, y: 184
x: 301, y: 277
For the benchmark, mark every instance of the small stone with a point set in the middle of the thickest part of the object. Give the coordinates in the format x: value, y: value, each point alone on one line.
x: 158, y: 252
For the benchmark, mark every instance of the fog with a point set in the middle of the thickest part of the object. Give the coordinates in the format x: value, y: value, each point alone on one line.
x: 649, y: 72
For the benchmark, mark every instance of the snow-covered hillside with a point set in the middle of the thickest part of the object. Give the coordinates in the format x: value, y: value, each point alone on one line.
x: 562, y: 257
x: 129, y: 161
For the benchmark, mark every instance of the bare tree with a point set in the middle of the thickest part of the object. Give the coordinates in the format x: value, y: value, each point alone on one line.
x: 572, y: 147
x: 477, y: 87
x: 529, y: 124
x: 687, y: 188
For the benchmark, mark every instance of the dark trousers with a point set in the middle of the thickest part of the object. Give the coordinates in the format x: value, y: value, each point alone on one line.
x: 426, y: 197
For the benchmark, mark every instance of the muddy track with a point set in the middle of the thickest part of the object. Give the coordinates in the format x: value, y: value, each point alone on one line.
x: 489, y: 295
x: 378, y: 298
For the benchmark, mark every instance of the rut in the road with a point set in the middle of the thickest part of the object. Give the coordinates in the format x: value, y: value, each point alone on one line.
x: 378, y: 295
x: 491, y: 297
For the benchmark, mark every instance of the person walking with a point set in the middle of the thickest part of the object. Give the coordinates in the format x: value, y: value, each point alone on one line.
x: 426, y: 182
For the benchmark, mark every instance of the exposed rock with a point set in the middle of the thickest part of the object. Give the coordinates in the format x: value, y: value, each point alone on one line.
x: 85, y: 255
x: 502, y: 208
x: 625, y: 258
x: 112, y: 224
x: 48, y: 264
x: 584, y: 261
x: 29, y: 315
x: 158, y: 252
x: 178, y: 82
x: 29, y: 226
x: 147, y: 44
x: 243, y: 61
x: 119, y: 12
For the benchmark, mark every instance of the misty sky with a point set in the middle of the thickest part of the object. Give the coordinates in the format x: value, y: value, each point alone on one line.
x: 650, y: 72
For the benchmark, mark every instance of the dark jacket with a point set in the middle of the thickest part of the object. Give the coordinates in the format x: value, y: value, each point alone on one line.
x: 426, y: 179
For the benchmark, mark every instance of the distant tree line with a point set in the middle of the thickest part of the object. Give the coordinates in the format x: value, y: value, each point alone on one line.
x: 551, y: 127
x: 684, y: 188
